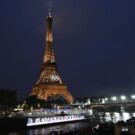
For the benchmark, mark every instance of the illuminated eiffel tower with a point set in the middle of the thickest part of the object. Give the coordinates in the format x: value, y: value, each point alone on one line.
x: 49, y: 83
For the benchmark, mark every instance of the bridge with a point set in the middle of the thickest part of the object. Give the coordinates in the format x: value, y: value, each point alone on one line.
x: 122, y: 105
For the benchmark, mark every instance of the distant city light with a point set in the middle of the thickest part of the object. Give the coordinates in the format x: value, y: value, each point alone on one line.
x: 123, y: 97
x: 106, y: 99
x: 18, y: 109
x: 114, y: 98
x: 133, y: 96
x: 103, y: 101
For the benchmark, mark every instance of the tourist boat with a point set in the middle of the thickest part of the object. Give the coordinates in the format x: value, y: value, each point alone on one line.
x: 54, y: 120
x: 20, y: 123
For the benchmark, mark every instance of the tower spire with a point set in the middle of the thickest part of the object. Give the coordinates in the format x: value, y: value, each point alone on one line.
x: 49, y: 51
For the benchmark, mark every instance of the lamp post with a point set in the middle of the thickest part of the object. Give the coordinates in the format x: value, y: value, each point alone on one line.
x: 132, y: 98
x: 114, y: 99
x: 106, y: 99
x: 123, y: 98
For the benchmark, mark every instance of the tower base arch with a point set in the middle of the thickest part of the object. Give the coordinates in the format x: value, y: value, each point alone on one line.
x: 43, y: 91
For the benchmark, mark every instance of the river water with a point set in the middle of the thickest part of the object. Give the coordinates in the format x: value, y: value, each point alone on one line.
x: 103, y: 117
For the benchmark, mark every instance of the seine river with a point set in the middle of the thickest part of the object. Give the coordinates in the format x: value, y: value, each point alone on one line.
x: 71, y: 126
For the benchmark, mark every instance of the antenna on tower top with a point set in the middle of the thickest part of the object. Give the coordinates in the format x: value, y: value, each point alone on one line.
x: 49, y: 12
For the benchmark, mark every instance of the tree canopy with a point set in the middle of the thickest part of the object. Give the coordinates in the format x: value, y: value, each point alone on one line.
x: 8, y: 98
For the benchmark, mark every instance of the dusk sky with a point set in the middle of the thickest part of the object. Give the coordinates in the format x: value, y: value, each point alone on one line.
x: 94, y: 42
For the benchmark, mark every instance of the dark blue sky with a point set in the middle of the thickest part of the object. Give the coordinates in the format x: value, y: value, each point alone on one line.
x: 94, y: 43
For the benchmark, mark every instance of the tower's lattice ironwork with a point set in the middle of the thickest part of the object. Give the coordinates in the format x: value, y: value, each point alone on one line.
x: 49, y: 83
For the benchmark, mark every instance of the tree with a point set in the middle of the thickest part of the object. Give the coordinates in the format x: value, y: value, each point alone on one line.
x: 32, y: 101
x: 35, y: 103
x: 8, y: 99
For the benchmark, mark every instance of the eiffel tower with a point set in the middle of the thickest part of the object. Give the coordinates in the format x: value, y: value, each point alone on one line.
x: 49, y: 83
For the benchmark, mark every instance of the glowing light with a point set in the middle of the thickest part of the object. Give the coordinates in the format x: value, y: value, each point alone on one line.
x: 54, y: 77
x: 103, y: 101
x: 114, y: 98
x: 133, y: 96
x: 49, y: 13
x: 18, y: 109
x: 123, y: 97
x: 126, y: 116
x: 52, y: 120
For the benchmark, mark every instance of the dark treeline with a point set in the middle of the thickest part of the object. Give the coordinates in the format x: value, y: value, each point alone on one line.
x: 35, y: 103
x: 8, y: 99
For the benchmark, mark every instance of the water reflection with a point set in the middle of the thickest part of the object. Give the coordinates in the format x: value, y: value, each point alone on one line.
x: 115, y: 117
x: 46, y: 130
x: 104, y: 117
x: 64, y: 128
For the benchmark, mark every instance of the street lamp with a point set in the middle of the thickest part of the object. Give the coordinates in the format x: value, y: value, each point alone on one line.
x: 133, y: 96
x: 123, y: 98
x: 103, y: 101
x: 106, y: 100
x: 114, y: 98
